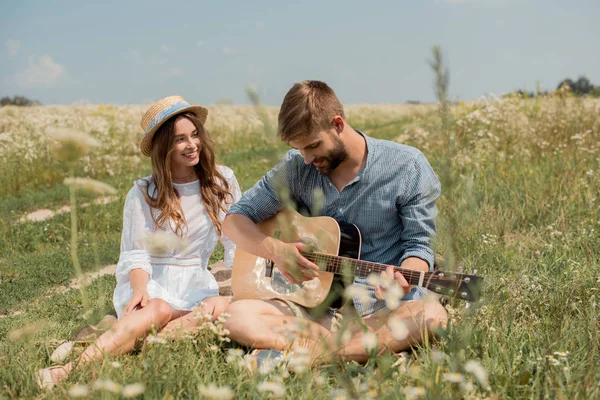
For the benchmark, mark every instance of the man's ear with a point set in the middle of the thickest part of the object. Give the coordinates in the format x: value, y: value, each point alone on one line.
x: 338, y: 123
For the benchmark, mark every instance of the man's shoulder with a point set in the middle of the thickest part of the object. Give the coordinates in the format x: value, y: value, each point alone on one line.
x: 293, y: 163
x: 390, y: 149
x: 292, y: 156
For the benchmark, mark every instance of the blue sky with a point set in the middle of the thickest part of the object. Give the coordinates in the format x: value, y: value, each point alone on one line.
x: 370, y: 52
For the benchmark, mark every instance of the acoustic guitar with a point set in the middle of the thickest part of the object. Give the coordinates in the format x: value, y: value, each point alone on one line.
x: 336, y: 247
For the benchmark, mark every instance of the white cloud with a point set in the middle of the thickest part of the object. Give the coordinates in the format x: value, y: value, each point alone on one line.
x: 164, y: 49
x: 175, y: 71
x: 12, y: 47
x: 42, y: 71
x: 461, y: 1
x: 199, y: 43
x: 158, y: 60
x: 227, y: 50
x: 133, y: 54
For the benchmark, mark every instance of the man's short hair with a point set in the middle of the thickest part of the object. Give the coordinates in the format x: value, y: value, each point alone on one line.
x: 308, y: 107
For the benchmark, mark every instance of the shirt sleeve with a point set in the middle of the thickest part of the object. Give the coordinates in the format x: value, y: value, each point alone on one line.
x: 270, y: 194
x: 137, y: 224
x: 228, y: 245
x: 418, y: 211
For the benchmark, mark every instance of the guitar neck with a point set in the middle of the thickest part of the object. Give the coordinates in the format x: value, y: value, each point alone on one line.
x: 340, y: 265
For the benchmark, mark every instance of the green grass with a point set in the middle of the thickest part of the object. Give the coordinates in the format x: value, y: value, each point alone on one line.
x: 522, y: 209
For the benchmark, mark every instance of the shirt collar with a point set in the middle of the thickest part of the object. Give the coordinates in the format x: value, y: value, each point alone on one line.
x: 370, y: 143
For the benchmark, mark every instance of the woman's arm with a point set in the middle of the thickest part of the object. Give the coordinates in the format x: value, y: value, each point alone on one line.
x: 138, y: 278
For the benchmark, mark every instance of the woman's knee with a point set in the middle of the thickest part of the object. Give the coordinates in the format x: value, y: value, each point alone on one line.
x: 216, y: 305
x: 161, y: 311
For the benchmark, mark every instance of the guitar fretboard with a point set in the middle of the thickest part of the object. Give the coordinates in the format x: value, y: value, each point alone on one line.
x: 339, y: 265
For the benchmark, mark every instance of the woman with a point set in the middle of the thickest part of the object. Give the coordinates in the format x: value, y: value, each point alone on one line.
x: 171, y: 224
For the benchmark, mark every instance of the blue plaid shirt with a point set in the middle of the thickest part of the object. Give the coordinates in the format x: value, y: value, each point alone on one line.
x: 391, y: 201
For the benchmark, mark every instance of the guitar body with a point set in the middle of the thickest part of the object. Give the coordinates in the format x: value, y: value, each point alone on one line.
x: 258, y: 278
x: 335, y: 248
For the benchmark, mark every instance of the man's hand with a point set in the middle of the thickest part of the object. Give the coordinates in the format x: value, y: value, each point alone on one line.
x: 293, y: 266
x: 140, y: 297
x: 391, y: 282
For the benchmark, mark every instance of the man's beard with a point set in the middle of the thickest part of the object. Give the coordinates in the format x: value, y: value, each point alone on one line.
x: 335, y: 157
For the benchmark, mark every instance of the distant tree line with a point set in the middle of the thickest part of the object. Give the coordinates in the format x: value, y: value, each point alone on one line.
x: 581, y: 87
x: 18, y: 101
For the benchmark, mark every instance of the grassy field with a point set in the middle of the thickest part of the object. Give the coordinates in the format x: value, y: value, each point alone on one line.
x: 520, y: 205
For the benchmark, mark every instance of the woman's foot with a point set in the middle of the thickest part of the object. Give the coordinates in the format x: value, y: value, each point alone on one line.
x: 47, y: 378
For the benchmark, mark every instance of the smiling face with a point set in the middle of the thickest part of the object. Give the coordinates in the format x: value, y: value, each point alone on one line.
x: 323, y: 149
x: 186, y: 144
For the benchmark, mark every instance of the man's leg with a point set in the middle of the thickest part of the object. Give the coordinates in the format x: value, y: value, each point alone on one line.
x: 275, y: 325
x: 420, y: 317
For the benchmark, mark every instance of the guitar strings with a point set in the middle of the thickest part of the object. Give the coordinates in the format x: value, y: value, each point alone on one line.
x: 334, y: 265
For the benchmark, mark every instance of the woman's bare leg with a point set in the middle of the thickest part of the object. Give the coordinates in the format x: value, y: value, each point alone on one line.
x: 188, y: 323
x: 123, y: 334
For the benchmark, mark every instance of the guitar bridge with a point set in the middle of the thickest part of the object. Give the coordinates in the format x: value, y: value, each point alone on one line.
x: 269, y: 266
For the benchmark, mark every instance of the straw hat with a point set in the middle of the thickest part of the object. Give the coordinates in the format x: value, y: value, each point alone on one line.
x: 160, y: 112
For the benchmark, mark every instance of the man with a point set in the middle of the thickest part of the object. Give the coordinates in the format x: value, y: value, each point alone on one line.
x: 386, y: 189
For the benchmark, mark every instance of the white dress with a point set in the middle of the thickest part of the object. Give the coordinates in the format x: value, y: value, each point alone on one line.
x: 178, y: 275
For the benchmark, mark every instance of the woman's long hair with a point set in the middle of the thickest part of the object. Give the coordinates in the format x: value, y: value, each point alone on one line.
x: 214, y: 188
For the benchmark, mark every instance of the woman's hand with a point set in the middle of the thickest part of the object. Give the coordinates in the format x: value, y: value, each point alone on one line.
x: 139, y: 298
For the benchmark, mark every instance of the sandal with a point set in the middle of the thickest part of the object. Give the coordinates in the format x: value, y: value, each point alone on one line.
x: 45, y: 379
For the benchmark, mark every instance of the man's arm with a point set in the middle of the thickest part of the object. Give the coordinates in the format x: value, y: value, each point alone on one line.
x: 262, y: 201
x: 286, y: 256
x: 415, y: 263
x: 417, y: 211
x: 246, y: 236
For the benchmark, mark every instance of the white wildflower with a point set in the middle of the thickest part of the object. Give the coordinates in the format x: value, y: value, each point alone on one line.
x: 453, y: 377
x: 467, y: 387
x: 267, y: 366
x: 79, y: 391
x: 438, y: 356
x: 398, y: 328
x: 373, y: 279
x: 299, y: 360
x: 133, y: 390
x: 369, y: 340
x: 155, y: 339
x: 215, y: 392
x: 108, y: 385
x: 67, y: 134
x: 27, y: 331
x: 277, y: 389
x: 478, y: 371
x: 90, y: 184
x: 234, y: 355
x: 357, y: 291
x: 393, y: 297
x: 343, y: 336
x: 72, y: 144
x: 116, y: 364
x: 414, y: 392
x: 338, y: 394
